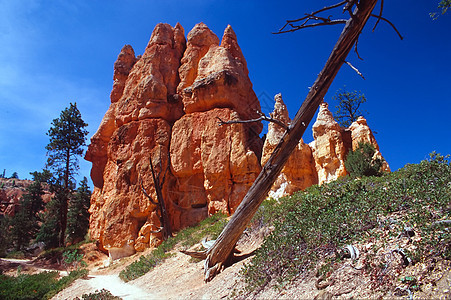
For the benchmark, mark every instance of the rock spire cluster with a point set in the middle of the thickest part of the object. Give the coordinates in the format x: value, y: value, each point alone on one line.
x: 164, y: 110
x: 322, y: 160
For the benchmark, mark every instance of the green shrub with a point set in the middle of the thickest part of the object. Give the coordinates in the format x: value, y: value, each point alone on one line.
x: 315, y: 223
x: 103, y: 294
x: 73, y: 260
x: 37, y: 286
x: 361, y: 161
x: 27, y: 286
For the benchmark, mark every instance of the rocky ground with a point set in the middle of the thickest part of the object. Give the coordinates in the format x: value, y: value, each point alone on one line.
x: 180, y: 277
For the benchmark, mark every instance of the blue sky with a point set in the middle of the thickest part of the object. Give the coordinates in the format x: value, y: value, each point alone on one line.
x: 55, y: 51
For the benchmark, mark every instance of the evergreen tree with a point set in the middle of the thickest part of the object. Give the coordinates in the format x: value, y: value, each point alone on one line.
x: 33, y: 198
x: 361, y: 161
x: 22, y: 228
x: 4, y: 237
x: 348, y: 106
x: 50, y: 231
x: 24, y: 225
x: 67, y: 139
x: 78, y: 214
x: 15, y: 175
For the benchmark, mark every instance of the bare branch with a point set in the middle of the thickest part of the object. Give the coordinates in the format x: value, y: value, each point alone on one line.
x: 391, y: 24
x: 315, y: 12
x: 355, y: 69
x: 322, y: 21
x: 147, y: 195
x: 166, y: 171
x: 263, y: 117
x: 380, y: 15
x: 356, y: 50
x: 298, y: 27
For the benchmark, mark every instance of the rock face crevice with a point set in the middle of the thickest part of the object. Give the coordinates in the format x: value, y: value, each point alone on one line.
x: 164, y: 109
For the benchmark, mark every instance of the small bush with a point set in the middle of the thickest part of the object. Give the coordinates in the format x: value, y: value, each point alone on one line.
x: 361, y: 161
x: 103, y: 294
x: 73, y: 260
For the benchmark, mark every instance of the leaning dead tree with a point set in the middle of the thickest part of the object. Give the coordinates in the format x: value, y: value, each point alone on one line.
x: 222, y: 250
x: 165, y: 225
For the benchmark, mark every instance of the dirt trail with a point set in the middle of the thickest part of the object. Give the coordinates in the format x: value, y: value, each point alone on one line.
x: 111, y: 283
x: 118, y: 288
x: 14, y: 263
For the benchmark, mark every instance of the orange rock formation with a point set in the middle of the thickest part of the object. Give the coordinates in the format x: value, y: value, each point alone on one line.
x: 322, y: 160
x: 299, y: 172
x: 165, y: 107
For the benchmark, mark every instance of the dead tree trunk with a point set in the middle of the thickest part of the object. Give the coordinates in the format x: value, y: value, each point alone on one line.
x: 165, y: 223
x: 222, y: 249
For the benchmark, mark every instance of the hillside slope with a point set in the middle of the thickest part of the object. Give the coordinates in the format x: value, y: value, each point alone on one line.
x: 365, y: 237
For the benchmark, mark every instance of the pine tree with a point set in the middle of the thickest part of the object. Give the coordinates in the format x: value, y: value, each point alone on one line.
x: 67, y: 139
x: 50, y: 231
x: 4, y: 237
x: 348, y: 106
x: 24, y: 225
x: 78, y: 214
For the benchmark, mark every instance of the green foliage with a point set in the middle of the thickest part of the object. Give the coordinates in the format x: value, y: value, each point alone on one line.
x: 43, y: 285
x: 67, y: 138
x: 103, y: 294
x: 50, y: 231
x: 4, y: 236
x: 361, y: 161
x: 348, y: 108
x: 210, y: 228
x: 313, y: 224
x: 24, y: 225
x: 78, y: 214
x: 444, y: 5
x: 15, y: 175
x: 73, y: 259
x: 44, y: 177
x: 22, y: 228
x: 27, y: 286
